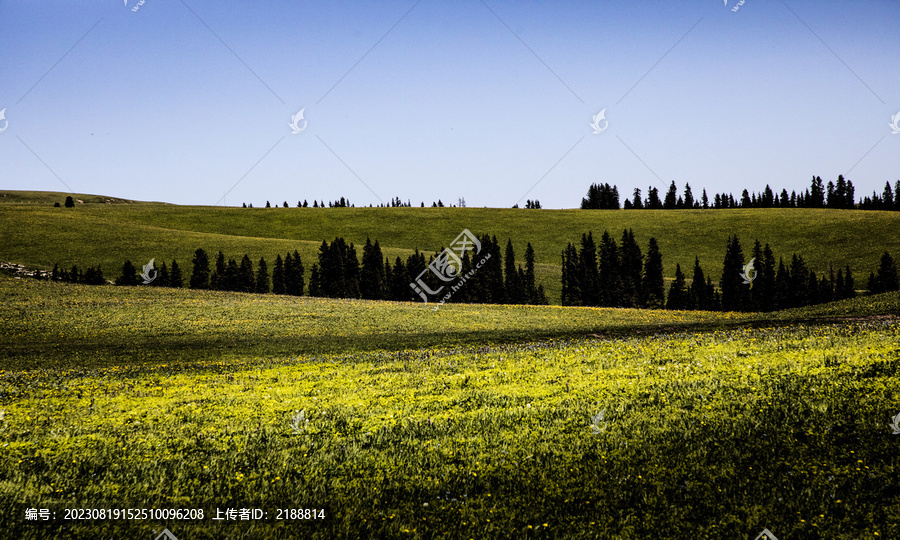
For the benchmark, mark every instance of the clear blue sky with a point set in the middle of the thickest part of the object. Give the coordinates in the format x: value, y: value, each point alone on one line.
x: 185, y: 101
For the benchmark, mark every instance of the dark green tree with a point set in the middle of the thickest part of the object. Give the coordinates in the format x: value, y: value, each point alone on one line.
x: 678, y: 294
x: 217, y: 279
x: 653, y: 285
x: 262, y: 277
x: 886, y: 278
x: 315, y: 281
x: 515, y: 288
x: 246, y: 281
x: 278, y: 276
x: 735, y: 293
x: 129, y: 275
x: 589, y: 271
x: 200, y: 273
x: 372, y: 277
x: 671, y: 201
x: 163, y: 279
x: 609, y: 282
x: 175, y: 279
x: 631, y: 264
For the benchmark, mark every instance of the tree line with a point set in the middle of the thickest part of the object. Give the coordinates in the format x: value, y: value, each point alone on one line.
x: 345, y: 203
x: 838, y: 194
x: 615, y: 274
x: 339, y: 273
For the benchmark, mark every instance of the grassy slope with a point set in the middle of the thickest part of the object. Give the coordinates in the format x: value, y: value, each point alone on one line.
x: 108, y: 233
x: 705, y: 434
x: 77, y: 325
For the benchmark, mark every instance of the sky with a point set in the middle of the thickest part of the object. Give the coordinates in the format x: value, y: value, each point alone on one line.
x: 192, y: 101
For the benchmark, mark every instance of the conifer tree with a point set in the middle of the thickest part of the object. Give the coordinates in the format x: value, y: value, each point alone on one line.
x: 631, y: 263
x: 289, y: 286
x: 175, y: 279
x: 315, y: 287
x: 246, y: 279
x: 653, y: 285
x: 571, y: 277
x: 529, y: 283
x: 372, y: 277
x: 609, y: 282
x: 589, y: 271
x: 515, y: 293
x: 200, y: 273
x: 298, y: 282
x: 678, y: 295
x: 217, y: 280
x: 129, y: 275
x: 262, y: 277
x: 699, y: 293
x: 671, y: 201
x: 886, y: 279
x: 735, y: 293
x: 278, y: 276
x: 163, y: 279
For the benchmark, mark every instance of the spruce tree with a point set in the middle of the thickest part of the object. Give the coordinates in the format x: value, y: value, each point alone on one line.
x: 735, y: 293
x: 589, y: 271
x: 175, y: 279
x: 529, y: 284
x: 246, y: 279
x: 200, y: 273
x: 298, y: 280
x: 671, y: 201
x: 217, y: 280
x: 515, y: 290
x: 129, y: 275
x: 372, y: 277
x: 631, y: 263
x: 678, y: 295
x: 262, y: 277
x: 231, y: 279
x: 699, y: 299
x: 315, y: 280
x: 849, y: 285
x: 163, y: 279
x: 886, y: 279
x: 782, y: 286
x: 799, y: 282
x: 400, y: 280
x: 609, y: 282
x: 571, y: 294
x: 278, y: 276
x: 653, y: 285
x: 289, y: 286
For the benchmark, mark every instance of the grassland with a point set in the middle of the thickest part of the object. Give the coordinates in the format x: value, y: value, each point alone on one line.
x: 468, y: 422
x: 106, y: 234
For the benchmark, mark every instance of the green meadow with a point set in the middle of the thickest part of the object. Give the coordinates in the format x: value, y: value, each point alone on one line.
x: 105, y: 234
x: 126, y: 410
